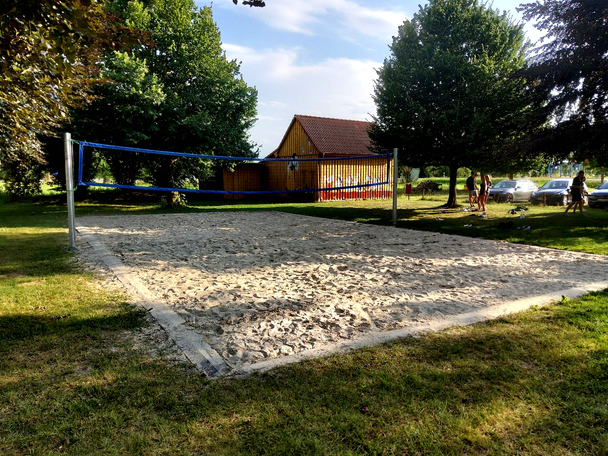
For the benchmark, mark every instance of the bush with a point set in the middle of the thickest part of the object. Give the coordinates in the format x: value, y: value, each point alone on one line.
x: 22, y: 177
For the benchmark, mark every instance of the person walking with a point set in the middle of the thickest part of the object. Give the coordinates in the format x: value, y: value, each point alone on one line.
x: 577, y: 190
x: 471, y: 184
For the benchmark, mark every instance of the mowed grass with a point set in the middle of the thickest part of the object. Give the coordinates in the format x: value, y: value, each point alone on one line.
x: 78, y: 375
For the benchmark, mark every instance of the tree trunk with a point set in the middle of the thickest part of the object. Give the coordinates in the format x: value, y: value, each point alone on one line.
x: 167, y: 181
x: 510, y: 175
x: 172, y: 198
x: 452, y: 192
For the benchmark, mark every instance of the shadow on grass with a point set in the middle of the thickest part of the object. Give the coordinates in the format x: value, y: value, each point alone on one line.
x: 35, y: 254
x: 532, y: 383
x: 33, y: 215
x: 23, y: 326
x: 584, y: 234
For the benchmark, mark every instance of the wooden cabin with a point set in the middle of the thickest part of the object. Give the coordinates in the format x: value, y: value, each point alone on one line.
x: 311, y: 137
x: 248, y: 177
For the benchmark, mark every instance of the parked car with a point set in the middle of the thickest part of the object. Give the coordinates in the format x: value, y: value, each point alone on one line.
x: 512, y: 190
x: 556, y: 192
x: 599, y: 196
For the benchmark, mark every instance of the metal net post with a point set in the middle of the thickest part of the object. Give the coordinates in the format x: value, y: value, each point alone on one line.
x: 69, y: 184
x: 395, y: 178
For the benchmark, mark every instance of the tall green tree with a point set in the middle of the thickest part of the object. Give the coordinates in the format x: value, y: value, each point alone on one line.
x: 180, y: 93
x: 571, y: 67
x: 49, y: 50
x: 447, y: 94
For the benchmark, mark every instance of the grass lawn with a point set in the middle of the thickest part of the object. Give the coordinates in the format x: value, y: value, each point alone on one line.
x: 78, y: 374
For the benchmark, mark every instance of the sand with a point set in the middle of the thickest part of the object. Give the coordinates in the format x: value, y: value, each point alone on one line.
x: 259, y: 286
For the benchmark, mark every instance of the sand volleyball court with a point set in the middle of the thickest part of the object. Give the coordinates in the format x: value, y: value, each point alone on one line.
x: 246, y: 291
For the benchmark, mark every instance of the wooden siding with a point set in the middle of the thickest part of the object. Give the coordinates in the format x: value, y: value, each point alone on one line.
x: 245, y: 177
x: 346, y: 173
x: 286, y: 176
x: 302, y: 175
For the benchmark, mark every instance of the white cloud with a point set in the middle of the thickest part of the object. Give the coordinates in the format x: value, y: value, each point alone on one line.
x: 382, y: 24
x: 275, y: 64
x: 273, y: 104
x: 338, y: 88
x: 314, y: 17
x: 280, y: 68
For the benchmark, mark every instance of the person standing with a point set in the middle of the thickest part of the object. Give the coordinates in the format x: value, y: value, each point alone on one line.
x: 484, y: 191
x: 578, y: 187
x: 471, y: 184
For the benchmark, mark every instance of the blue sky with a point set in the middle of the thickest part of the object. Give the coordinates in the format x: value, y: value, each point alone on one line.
x: 314, y: 57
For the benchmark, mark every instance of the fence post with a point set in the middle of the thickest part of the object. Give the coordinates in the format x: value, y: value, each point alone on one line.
x: 395, y: 178
x: 69, y: 186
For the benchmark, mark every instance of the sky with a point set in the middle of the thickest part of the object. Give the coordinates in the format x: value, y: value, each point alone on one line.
x: 315, y: 57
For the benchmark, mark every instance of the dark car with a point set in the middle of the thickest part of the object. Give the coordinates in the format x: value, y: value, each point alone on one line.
x: 599, y: 196
x: 556, y: 192
x: 512, y: 190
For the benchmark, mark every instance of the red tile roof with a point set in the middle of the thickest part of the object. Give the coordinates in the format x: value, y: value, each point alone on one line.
x: 335, y: 137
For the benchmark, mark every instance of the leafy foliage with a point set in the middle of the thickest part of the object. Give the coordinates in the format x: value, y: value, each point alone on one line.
x: 447, y: 95
x: 178, y: 94
x: 570, y: 66
x: 23, y: 177
x: 49, y: 50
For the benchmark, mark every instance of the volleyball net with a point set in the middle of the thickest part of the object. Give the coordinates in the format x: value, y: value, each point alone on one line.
x: 372, y: 176
x: 318, y: 179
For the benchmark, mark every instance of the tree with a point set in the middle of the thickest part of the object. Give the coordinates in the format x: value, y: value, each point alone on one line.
x: 124, y: 112
x: 179, y: 94
x: 447, y: 95
x: 571, y: 67
x: 48, y: 52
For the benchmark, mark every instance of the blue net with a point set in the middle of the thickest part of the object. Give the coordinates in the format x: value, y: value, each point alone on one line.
x: 321, y: 179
